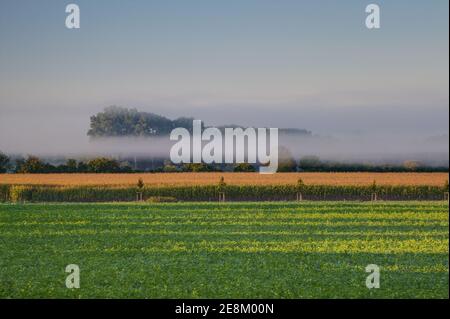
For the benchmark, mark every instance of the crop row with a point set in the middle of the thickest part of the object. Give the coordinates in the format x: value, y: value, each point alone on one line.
x: 28, y: 193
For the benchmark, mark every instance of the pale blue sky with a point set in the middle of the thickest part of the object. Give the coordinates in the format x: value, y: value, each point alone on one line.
x: 310, y: 64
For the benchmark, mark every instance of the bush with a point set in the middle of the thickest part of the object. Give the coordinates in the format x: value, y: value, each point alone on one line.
x: 161, y: 199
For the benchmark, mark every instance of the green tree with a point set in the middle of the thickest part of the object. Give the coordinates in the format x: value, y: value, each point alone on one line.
x: 309, y: 163
x: 4, y: 162
x: 71, y: 166
x: 244, y: 167
x: 103, y: 165
x: 197, y: 167
x: 286, y: 162
x: 120, y: 121
x: 169, y: 168
x: 82, y: 167
x: 32, y: 165
x: 412, y: 165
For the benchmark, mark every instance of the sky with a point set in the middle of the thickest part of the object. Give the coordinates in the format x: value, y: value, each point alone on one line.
x: 285, y: 63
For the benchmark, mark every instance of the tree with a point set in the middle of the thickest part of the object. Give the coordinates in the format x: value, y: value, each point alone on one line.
x: 244, y: 167
x: 185, y: 122
x: 169, y: 168
x: 71, y: 166
x: 412, y: 165
x: 103, y: 165
x: 309, y: 163
x: 31, y: 165
x: 197, y: 167
x: 4, y: 162
x: 286, y: 162
x: 82, y: 167
x: 120, y: 121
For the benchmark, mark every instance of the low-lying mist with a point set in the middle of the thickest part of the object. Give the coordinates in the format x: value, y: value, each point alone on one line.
x: 373, y: 149
x: 386, y: 138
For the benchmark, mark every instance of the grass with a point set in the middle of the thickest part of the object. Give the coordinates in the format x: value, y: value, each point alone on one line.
x: 183, y: 179
x: 235, y: 250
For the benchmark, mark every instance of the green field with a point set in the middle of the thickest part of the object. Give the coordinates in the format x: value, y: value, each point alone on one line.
x: 236, y: 250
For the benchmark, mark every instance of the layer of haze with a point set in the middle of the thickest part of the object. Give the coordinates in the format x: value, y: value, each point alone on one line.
x: 304, y: 64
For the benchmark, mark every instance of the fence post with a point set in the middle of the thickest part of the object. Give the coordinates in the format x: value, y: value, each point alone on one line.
x: 374, y: 197
x: 140, y: 187
x: 221, y: 189
x: 300, y: 187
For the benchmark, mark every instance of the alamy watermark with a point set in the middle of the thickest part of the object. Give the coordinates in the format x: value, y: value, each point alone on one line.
x: 73, y: 19
x: 373, y: 280
x: 239, y: 145
x: 373, y: 19
x: 73, y: 279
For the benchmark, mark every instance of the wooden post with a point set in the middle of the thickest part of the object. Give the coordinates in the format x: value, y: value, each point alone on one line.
x: 374, y: 197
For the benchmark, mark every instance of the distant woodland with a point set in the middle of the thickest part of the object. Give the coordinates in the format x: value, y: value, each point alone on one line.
x: 117, y: 121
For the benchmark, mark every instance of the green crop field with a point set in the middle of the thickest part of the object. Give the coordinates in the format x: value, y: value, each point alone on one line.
x: 236, y: 250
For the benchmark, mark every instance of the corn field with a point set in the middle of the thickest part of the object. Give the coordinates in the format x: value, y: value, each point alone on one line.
x: 200, y: 179
x: 30, y: 193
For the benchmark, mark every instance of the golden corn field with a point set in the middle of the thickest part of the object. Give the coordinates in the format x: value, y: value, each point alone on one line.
x: 185, y: 179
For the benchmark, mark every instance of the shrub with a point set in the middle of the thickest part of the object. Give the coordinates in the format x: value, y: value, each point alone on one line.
x: 161, y: 199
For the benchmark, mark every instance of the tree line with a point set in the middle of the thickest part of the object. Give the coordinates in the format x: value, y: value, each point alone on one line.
x: 33, y: 164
